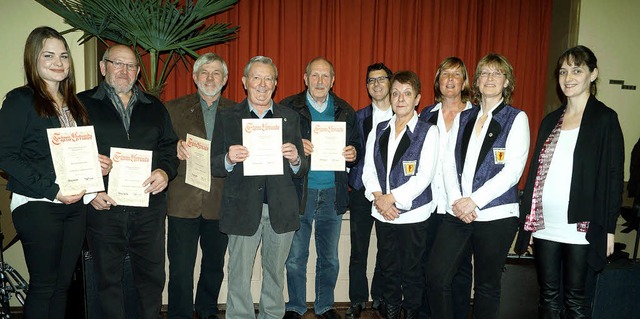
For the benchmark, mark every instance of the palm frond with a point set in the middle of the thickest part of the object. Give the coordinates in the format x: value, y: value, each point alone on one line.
x: 154, y: 27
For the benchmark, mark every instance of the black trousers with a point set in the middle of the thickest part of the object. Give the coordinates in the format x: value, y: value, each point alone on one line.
x: 140, y: 232
x: 489, y: 242
x: 182, y: 243
x: 400, y: 251
x: 565, y: 279
x: 52, y: 237
x: 361, y: 224
x: 461, y: 285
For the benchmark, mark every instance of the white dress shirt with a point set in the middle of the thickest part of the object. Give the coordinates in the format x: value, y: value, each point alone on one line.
x: 407, y: 192
x: 516, y: 151
x: 437, y: 186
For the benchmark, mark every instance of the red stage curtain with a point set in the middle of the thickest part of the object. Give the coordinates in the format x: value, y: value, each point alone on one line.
x: 406, y: 35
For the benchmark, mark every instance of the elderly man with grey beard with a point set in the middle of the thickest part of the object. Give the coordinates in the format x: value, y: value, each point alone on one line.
x: 125, y: 117
x: 194, y: 214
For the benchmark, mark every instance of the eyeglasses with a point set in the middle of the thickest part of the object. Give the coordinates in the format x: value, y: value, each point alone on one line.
x: 119, y: 65
x: 379, y: 80
x: 495, y: 74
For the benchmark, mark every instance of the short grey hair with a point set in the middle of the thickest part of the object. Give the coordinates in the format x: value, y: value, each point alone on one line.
x: 260, y: 59
x: 207, y: 58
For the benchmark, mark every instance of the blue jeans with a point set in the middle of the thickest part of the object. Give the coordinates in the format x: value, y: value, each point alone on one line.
x: 320, y: 207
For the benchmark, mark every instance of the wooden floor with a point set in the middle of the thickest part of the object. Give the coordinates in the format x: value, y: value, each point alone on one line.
x: 366, y: 314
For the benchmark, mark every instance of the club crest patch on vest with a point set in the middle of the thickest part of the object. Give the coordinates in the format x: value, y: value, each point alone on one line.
x: 409, y: 168
x: 498, y: 155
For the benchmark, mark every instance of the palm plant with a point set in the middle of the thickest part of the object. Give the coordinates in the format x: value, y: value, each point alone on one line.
x: 166, y: 30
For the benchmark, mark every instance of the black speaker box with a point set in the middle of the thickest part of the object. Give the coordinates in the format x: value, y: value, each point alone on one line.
x: 618, y: 291
x: 519, y: 297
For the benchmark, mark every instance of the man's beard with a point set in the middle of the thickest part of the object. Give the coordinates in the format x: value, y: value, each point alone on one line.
x: 203, y: 90
x: 118, y: 87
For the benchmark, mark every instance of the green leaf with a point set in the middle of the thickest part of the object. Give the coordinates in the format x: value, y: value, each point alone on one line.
x: 155, y: 27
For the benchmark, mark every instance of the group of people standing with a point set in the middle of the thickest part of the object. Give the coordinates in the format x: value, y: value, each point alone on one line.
x: 441, y: 188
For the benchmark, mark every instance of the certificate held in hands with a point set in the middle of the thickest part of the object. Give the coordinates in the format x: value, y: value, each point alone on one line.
x: 75, y: 159
x: 198, y: 163
x: 329, y: 139
x: 263, y: 139
x: 131, y: 168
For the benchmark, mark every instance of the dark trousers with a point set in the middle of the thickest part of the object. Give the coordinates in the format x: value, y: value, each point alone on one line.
x: 182, y: 244
x: 461, y: 285
x: 140, y: 232
x: 563, y: 273
x: 52, y: 237
x: 360, y: 225
x: 400, y: 251
x: 490, y: 242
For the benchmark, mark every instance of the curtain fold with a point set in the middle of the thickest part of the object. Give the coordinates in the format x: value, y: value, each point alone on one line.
x: 406, y: 35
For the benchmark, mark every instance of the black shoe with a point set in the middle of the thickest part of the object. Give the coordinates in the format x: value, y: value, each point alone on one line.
x: 392, y: 312
x: 410, y: 314
x: 291, y: 315
x: 354, y: 311
x: 330, y: 314
x: 378, y: 304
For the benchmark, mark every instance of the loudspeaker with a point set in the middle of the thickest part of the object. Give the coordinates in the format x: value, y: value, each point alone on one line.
x: 91, y: 289
x: 618, y: 291
x: 519, y: 297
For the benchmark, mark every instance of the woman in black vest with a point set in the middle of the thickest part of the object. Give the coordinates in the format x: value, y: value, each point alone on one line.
x: 400, y: 162
x: 482, y: 168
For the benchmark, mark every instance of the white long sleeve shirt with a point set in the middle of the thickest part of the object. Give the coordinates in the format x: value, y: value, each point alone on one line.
x: 516, y: 152
x: 415, y: 186
x: 437, y: 186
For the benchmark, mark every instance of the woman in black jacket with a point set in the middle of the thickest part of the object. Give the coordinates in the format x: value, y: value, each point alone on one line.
x: 574, y: 190
x: 50, y: 225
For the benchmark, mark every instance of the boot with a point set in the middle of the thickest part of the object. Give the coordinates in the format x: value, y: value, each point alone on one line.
x: 410, y: 314
x: 393, y: 311
x: 548, y: 313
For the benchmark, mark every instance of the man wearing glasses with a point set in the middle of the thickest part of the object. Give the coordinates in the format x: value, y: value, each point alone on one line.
x: 125, y: 117
x: 361, y: 222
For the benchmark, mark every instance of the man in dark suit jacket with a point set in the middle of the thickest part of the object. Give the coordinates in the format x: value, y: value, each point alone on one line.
x: 123, y: 116
x: 257, y: 208
x: 194, y: 213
